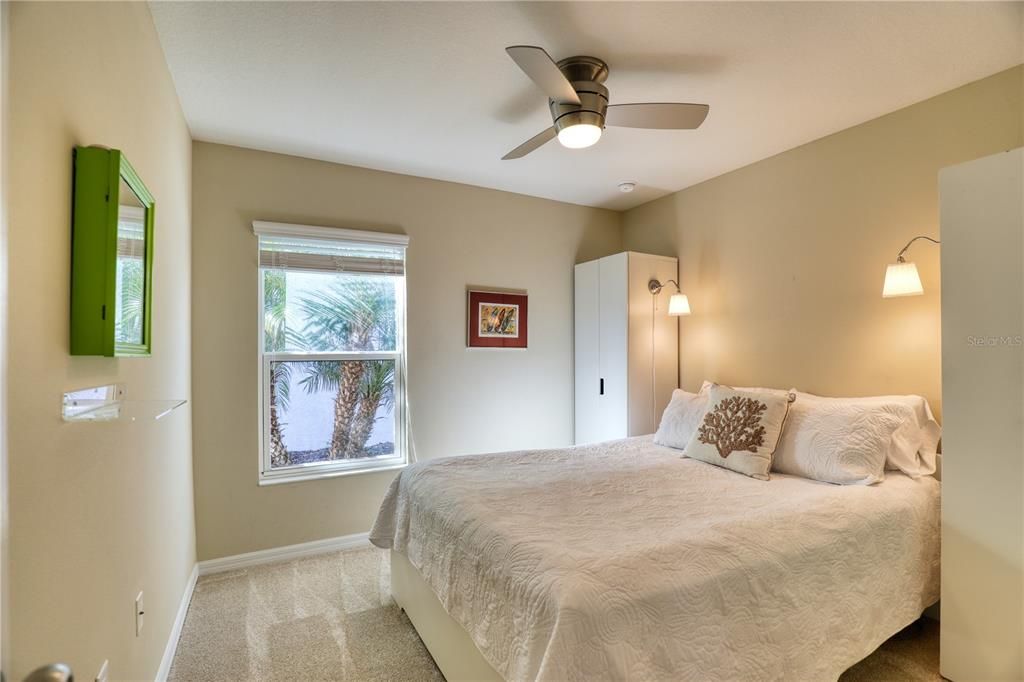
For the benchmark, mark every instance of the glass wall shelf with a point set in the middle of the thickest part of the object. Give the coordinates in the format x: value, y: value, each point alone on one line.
x: 108, y: 403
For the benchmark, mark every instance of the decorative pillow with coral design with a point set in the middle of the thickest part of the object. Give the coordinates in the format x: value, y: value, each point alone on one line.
x: 740, y: 430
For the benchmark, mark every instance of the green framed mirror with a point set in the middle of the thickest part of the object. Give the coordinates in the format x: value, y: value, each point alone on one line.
x: 111, y: 256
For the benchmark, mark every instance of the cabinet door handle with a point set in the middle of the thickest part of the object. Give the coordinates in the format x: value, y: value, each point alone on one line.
x: 602, y: 387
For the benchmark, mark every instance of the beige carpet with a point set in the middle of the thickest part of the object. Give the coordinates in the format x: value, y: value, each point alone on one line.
x: 331, y: 617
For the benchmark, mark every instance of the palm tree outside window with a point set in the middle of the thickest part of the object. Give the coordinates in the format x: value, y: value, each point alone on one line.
x: 332, y: 351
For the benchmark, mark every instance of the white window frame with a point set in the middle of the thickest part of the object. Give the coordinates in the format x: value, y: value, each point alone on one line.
x: 344, y: 467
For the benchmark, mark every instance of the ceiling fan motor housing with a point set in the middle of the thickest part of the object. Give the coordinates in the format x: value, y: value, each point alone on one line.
x: 586, y: 75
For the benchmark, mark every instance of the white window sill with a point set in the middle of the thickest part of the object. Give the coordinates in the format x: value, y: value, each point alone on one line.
x: 299, y: 476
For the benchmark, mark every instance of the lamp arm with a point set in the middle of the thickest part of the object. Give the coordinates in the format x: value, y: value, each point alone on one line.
x: 655, y: 287
x: 899, y: 256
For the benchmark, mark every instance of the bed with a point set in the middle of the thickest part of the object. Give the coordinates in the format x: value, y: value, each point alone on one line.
x: 622, y: 560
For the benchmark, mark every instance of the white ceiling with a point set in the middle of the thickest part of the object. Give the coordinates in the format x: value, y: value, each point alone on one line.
x: 427, y: 89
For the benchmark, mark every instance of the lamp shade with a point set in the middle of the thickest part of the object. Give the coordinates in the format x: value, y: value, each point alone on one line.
x: 678, y: 305
x: 901, y: 279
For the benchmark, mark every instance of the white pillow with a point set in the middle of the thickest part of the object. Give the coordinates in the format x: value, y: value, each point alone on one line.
x: 740, y: 430
x: 681, y: 418
x: 838, y: 441
x: 706, y: 386
x: 912, y: 446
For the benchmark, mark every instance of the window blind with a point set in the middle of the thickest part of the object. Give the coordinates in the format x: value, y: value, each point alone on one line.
x: 289, y: 252
x: 131, y: 232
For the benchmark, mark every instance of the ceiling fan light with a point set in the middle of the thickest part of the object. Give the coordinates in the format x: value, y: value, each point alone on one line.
x: 579, y: 136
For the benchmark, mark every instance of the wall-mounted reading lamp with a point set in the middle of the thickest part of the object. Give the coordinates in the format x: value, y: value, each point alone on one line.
x: 901, y: 278
x: 678, y: 304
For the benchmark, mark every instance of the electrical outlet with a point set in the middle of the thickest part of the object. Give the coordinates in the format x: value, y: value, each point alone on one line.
x: 101, y: 676
x: 140, y: 614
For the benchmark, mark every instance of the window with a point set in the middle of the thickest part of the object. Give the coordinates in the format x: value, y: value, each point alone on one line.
x: 332, y: 347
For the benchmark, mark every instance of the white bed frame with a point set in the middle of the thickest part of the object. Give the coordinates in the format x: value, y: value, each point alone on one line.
x: 450, y: 645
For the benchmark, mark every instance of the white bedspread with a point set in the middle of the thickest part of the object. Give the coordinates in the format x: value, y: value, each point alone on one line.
x: 624, y: 561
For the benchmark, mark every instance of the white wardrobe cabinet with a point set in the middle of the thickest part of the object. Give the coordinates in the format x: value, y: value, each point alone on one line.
x: 626, y: 345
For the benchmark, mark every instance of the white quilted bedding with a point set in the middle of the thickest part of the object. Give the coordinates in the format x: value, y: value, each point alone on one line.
x: 623, y: 561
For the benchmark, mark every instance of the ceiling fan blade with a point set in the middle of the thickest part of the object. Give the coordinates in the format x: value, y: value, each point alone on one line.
x: 662, y: 115
x: 543, y: 71
x: 530, y: 145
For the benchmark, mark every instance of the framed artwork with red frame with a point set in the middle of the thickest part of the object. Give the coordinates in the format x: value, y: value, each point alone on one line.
x: 496, y: 319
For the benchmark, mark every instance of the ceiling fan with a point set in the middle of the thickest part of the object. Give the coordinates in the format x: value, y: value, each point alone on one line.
x: 579, y: 102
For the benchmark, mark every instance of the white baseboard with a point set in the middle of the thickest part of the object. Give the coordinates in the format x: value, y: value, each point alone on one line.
x: 179, y: 622
x: 286, y: 553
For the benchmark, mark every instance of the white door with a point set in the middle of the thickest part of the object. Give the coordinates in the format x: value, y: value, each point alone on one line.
x: 982, y: 214
x: 585, y: 340
x: 613, y: 343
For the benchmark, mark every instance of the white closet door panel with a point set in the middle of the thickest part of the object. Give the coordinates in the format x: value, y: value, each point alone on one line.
x: 982, y: 232
x: 653, y: 341
x: 614, y: 345
x: 585, y: 333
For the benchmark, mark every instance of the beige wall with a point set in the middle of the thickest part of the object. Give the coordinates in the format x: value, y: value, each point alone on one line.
x: 5, y: 629
x: 98, y: 512
x: 783, y: 260
x: 461, y: 401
